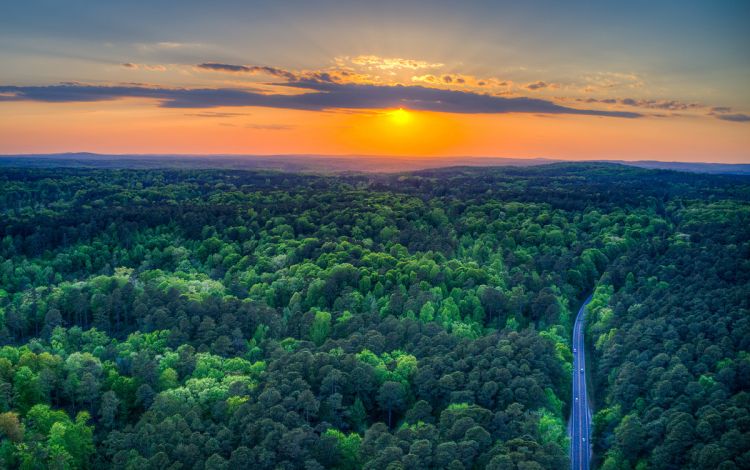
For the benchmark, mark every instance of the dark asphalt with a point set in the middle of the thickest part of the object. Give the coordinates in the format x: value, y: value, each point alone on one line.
x: 579, y: 427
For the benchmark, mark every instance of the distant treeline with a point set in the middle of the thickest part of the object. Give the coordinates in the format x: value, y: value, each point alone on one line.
x: 321, y: 163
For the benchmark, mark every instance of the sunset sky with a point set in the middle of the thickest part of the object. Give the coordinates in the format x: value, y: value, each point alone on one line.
x: 634, y: 80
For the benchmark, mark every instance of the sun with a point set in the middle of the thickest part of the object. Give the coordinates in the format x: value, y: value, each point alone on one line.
x: 400, y: 116
x: 400, y: 132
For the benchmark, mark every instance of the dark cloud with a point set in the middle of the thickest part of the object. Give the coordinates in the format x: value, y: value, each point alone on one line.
x: 360, y: 96
x: 725, y: 113
x: 538, y: 85
x: 667, y: 105
x: 738, y: 117
x: 594, y: 100
x: 317, y: 95
x: 273, y: 71
x: 147, y: 67
x: 224, y: 67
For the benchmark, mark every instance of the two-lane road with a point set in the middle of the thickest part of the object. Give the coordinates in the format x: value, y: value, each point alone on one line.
x: 579, y: 427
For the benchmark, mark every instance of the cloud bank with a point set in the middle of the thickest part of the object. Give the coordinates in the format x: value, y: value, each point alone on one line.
x: 317, y: 95
x: 726, y: 113
x: 738, y: 117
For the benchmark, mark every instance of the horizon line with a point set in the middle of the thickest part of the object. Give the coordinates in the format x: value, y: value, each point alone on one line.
x: 354, y: 155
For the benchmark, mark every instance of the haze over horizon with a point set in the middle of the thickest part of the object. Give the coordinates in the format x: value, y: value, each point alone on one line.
x: 474, y: 159
x: 537, y: 80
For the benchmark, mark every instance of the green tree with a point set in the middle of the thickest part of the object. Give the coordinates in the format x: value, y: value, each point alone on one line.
x: 391, y: 397
x: 320, y: 328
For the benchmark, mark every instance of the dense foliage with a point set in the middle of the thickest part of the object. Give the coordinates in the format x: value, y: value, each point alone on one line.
x: 671, y: 332
x: 212, y: 319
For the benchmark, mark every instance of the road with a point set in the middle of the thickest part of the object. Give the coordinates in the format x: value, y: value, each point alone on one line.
x: 579, y: 427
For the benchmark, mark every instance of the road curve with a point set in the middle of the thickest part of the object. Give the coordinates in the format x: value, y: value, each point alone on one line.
x: 579, y: 428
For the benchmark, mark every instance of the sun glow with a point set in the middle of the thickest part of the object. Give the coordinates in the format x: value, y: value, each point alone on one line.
x: 400, y: 132
x: 400, y: 116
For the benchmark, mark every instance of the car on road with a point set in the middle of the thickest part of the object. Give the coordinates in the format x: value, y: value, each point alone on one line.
x: 574, y: 350
x: 584, y: 439
x: 581, y: 371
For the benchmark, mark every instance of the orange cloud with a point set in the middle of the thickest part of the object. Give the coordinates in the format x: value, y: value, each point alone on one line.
x: 387, y: 63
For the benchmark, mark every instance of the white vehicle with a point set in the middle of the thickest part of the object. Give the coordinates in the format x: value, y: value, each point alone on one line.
x: 584, y: 439
x: 574, y: 350
x: 576, y: 398
x: 581, y: 371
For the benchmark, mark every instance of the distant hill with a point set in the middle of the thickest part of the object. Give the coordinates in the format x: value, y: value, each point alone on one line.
x: 714, y: 168
x: 322, y: 163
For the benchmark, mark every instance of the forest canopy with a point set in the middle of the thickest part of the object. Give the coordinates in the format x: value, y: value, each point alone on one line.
x: 215, y: 319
